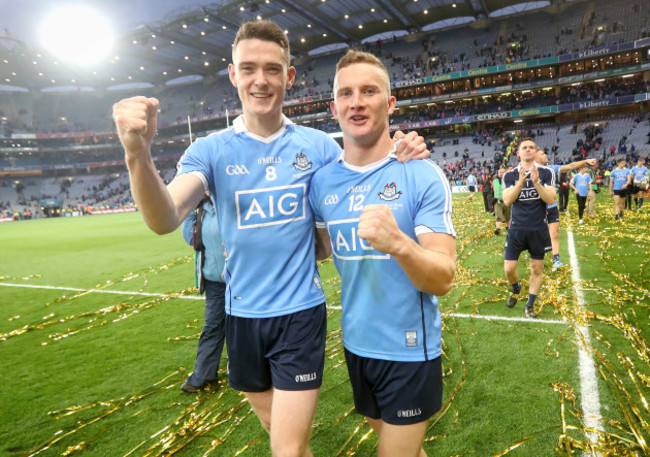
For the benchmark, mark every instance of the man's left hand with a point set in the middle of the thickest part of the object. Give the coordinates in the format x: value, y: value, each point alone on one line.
x: 411, y: 146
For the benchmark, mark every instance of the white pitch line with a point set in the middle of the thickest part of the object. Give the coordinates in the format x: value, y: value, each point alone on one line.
x: 588, y: 380
x: 115, y: 292
x: 101, y: 291
x: 506, y: 318
x: 196, y: 297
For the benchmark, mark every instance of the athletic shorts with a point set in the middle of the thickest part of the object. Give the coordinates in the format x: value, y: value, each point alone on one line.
x: 634, y: 189
x: 621, y: 193
x: 399, y: 393
x: 553, y: 215
x: 472, y: 188
x: 285, y: 352
x: 536, y: 242
x: 501, y: 211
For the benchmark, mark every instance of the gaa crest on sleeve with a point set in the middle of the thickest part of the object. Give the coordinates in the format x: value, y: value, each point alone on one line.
x: 390, y: 192
x: 302, y: 163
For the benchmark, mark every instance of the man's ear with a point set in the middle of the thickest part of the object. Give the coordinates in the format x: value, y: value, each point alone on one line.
x: 291, y: 77
x: 392, y: 101
x: 333, y: 108
x: 231, y: 74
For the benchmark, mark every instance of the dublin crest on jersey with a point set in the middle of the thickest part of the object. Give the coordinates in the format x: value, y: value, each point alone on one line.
x: 301, y: 162
x: 390, y: 192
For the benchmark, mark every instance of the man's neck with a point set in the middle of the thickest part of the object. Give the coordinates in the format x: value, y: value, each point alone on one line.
x: 359, y: 155
x: 264, y: 126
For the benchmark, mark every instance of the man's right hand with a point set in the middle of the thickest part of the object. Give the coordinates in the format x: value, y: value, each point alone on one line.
x: 135, y: 119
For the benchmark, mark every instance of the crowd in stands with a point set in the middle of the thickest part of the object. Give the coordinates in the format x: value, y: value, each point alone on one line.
x: 500, y: 143
x: 433, y: 53
x: 457, y: 156
x: 439, y: 52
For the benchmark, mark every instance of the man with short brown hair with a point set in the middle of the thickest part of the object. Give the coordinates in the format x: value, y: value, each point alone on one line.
x: 529, y: 189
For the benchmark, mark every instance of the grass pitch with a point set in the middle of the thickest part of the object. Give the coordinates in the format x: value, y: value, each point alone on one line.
x: 99, y: 325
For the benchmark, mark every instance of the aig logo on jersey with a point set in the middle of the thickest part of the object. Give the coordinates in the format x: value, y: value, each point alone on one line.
x: 271, y: 206
x: 390, y: 192
x: 301, y: 162
x: 236, y: 170
x: 347, y: 245
x: 528, y: 194
x: 331, y: 199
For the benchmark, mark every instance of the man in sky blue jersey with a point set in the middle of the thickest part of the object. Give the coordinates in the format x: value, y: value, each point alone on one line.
x: 529, y: 189
x: 201, y: 230
x: 581, y: 184
x: 258, y: 172
x: 552, y: 212
x: 471, y: 184
x: 619, y: 181
x: 639, y: 173
x: 393, y: 244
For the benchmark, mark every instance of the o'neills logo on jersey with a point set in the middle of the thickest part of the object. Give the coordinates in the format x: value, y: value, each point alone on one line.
x: 301, y: 162
x: 390, y: 192
x: 409, y: 412
x: 305, y: 377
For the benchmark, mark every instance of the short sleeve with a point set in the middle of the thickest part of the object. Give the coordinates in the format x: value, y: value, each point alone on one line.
x: 196, y: 160
x: 433, y: 214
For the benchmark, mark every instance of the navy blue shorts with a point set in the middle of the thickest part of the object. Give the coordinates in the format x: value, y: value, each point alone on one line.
x: 472, y: 188
x: 399, y: 393
x: 285, y: 352
x: 621, y: 193
x: 536, y: 242
x: 553, y: 215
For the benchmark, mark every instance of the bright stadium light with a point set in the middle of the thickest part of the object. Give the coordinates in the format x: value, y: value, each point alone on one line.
x: 77, y: 34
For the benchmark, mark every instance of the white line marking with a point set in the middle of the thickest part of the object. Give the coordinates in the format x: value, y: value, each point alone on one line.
x: 115, y: 292
x: 588, y: 380
x: 101, y: 291
x: 505, y: 318
x: 197, y: 297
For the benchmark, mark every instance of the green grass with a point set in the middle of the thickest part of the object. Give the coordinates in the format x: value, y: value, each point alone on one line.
x: 98, y: 374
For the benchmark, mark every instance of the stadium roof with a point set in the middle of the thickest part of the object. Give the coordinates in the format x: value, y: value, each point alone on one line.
x: 165, y: 41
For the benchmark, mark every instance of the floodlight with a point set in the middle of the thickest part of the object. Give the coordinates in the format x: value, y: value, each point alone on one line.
x: 77, y: 33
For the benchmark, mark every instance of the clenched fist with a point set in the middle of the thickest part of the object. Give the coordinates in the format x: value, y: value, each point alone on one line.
x: 378, y: 226
x: 135, y: 119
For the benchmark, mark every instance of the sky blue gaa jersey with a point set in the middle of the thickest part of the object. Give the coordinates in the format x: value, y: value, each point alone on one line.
x: 213, y: 261
x: 639, y: 172
x: 384, y: 316
x: 619, y: 177
x: 582, y: 184
x: 556, y: 175
x: 529, y: 210
x: 261, y: 188
x: 471, y: 180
